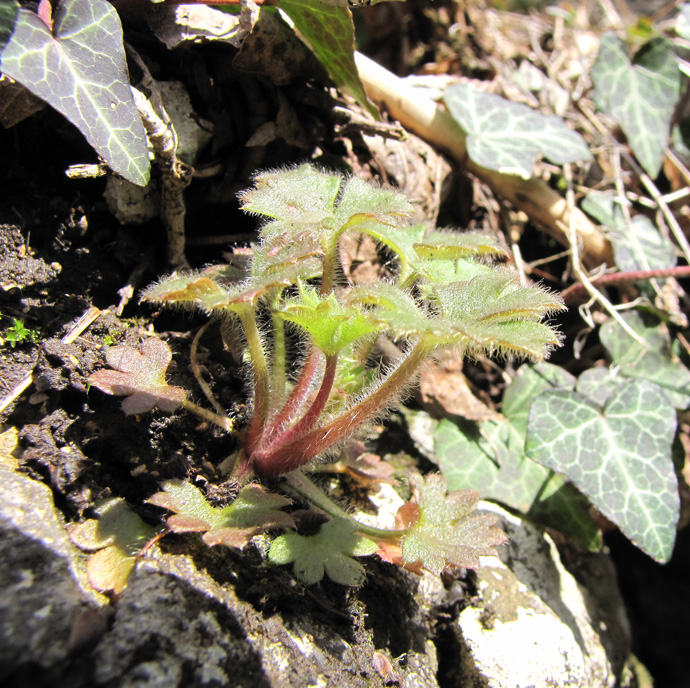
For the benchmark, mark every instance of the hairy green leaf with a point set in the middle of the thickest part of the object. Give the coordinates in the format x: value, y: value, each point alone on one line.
x: 80, y: 69
x: 618, y: 455
x: 331, y: 326
x: 509, y: 137
x: 640, y: 94
x: 447, y: 531
x: 330, y: 551
x: 251, y: 512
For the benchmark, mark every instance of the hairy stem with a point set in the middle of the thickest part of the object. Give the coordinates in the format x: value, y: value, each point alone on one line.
x: 259, y: 374
x: 288, y: 457
x: 278, y: 362
x: 298, y: 395
x: 215, y: 418
x: 306, y: 488
x: 308, y: 420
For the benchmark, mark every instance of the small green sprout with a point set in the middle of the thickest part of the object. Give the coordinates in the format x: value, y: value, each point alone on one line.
x: 19, y: 334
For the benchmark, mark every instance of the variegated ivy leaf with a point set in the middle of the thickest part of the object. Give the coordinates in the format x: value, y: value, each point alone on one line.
x: 447, y: 531
x: 140, y: 376
x: 509, y: 137
x: 657, y: 362
x: 491, y: 459
x: 618, y: 453
x: 330, y: 551
x: 638, y: 246
x: 78, y: 66
x: 253, y: 511
x: 640, y: 94
x: 327, y: 27
x: 683, y: 21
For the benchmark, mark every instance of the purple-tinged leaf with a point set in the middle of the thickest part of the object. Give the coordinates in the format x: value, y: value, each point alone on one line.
x: 140, y: 376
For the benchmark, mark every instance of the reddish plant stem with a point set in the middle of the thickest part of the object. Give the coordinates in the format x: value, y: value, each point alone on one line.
x: 288, y: 457
x: 577, y: 291
x: 298, y: 395
x: 287, y: 436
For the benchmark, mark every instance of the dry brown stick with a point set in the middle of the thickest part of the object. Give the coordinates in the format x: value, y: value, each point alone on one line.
x: 422, y: 116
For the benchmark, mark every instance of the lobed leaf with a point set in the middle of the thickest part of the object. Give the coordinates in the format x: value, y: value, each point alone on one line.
x: 637, y: 246
x: 508, y: 137
x: 329, y: 552
x: 116, y: 538
x: 618, y: 455
x: 447, y: 531
x: 328, y: 29
x: 252, y: 512
x: 331, y: 326
x: 640, y: 94
x: 453, y: 245
x: 493, y: 461
x: 140, y: 376
x: 80, y: 69
x: 656, y: 363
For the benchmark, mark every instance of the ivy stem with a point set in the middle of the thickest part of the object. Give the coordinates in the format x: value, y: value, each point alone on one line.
x: 307, y: 489
x: 288, y: 457
x: 221, y: 421
x: 259, y: 374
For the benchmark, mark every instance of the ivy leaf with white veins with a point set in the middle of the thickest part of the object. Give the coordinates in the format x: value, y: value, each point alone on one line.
x: 655, y: 362
x: 640, y: 94
x: 79, y: 68
x: 638, y: 246
x: 508, y: 137
x: 252, y: 512
x: 330, y: 551
x: 447, y: 532
x: 140, y: 376
x: 618, y: 455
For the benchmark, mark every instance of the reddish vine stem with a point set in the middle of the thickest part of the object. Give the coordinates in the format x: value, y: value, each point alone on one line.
x: 577, y: 291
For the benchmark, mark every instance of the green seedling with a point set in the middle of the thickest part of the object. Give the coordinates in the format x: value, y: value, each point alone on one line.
x: 19, y: 334
x: 443, y: 294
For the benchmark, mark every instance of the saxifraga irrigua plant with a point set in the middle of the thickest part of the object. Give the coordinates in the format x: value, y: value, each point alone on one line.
x: 442, y: 294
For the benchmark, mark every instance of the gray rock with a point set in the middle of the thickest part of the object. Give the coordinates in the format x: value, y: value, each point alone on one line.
x: 175, y: 625
x: 46, y: 608
x: 534, y: 624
